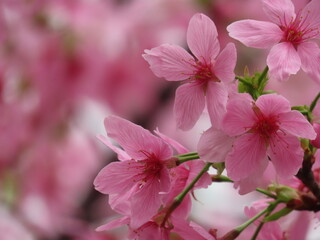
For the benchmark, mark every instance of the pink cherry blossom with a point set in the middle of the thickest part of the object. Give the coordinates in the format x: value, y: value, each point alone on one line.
x: 316, y: 142
x: 205, y: 74
x: 288, y: 34
x: 141, y: 178
x: 267, y: 127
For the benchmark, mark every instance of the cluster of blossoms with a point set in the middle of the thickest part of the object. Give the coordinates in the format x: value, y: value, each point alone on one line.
x: 262, y: 142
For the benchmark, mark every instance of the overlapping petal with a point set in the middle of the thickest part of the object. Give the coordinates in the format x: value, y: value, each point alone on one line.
x: 286, y: 154
x: 309, y: 53
x: 279, y: 11
x: 296, y: 124
x: 248, y: 156
x: 258, y: 34
x: 170, y: 61
x: 283, y: 60
x: 202, y: 38
x: 189, y: 105
x: 273, y: 104
x: 225, y: 63
x: 311, y: 13
x: 135, y: 140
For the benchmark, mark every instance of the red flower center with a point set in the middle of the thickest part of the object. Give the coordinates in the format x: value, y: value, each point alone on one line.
x: 298, y: 30
x: 265, y: 126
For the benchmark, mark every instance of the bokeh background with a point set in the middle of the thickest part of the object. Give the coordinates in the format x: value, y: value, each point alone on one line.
x: 65, y: 65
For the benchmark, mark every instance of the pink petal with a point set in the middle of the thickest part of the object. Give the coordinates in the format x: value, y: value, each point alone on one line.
x: 122, y: 155
x: 247, y: 157
x: 273, y: 104
x: 310, y: 13
x: 296, y: 124
x: 177, y: 146
x: 283, y: 60
x: 114, y: 224
x: 257, y: 34
x: 170, y: 61
x: 240, y: 116
x: 202, y: 38
x: 286, y: 154
x: 189, y: 105
x: 145, y: 203
x: 225, y: 63
x: 279, y: 11
x: 217, y: 97
x: 112, y: 180
x: 309, y: 52
x: 135, y: 140
x: 214, y: 145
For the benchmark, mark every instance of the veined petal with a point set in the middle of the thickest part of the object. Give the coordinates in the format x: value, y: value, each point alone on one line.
x: 311, y: 16
x: 214, y: 145
x: 225, y: 64
x: 202, y: 38
x: 217, y: 97
x: 279, y: 11
x: 135, y: 140
x: 309, y: 52
x: 295, y: 123
x: 240, y: 116
x: 257, y: 34
x: 170, y: 61
x: 114, y: 224
x: 247, y: 157
x: 273, y: 104
x: 283, y: 60
x: 112, y: 180
x: 189, y: 105
x: 286, y: 154
x: 145, y: 203
x: 177, y: 146
x: 122, y: 155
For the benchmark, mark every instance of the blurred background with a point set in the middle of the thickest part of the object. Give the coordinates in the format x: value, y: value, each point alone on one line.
x: 65, y: 65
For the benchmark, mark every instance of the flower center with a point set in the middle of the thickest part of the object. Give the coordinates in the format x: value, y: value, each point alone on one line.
x: 203, y: 72
x: 151, y: 166
x: 298, y: 30
x: 265, y: 126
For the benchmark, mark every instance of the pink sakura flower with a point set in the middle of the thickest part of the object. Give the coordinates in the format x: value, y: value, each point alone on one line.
x: 205, y: 74
x: 142, y: 173
x: 267, y: 127
x: 288, y: 34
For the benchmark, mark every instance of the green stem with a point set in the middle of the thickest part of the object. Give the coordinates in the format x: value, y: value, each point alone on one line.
x: 187, y: 158
x: 263, y: 75
x: 267, y: 193
x: 178, y: 199
x: 220, y: 178
x: 314, y: 102
x: 187, y: 154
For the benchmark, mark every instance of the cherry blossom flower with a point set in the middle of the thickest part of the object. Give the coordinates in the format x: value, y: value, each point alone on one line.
x: 288, y: 34
x: 267, y: 127
x: 205, y: 74
x: 142, y: 172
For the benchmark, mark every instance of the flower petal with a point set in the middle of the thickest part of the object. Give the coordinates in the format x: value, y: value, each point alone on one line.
x: 225, y: 64
x: 202, y: 38
x: 279, y: 11
x: 170, y: 61
x: 309, y: 52
x: 247, y: 157
x: 283, y: 60
x: 257, y: 34
x: 177, y: 146
x: 273, y: 104
x: 217, y: 97
x: 214, y: 145
x: 122, y: 155
x: 310, y: 14
x: 240, y: 116
x: 189, y: 105
x: 145, y: 203
x: 286, y: 154
x: 296, y: 124
x: 111, y: 180
x: 135, y: 140
x: 114, y: 224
